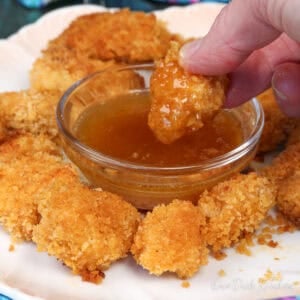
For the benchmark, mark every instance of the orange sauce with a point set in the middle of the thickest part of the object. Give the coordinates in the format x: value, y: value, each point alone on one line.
x: 119, y: 129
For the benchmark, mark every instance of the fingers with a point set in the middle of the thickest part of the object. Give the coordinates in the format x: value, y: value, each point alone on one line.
x: 241, y: 27
x: 254, y: 75
x: 286, y: 85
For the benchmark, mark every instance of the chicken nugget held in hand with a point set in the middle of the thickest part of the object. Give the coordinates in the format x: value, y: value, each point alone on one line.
x: 182, y: 102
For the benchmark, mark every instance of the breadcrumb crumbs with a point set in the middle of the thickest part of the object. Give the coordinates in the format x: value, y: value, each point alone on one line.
x: 270, y: 276
x: 185, y: 284
x: 222, y: 273
x: 219, y: 255
x: 242, y: 248
x: 296, y: 283
x: 276, y: 258
x: 11, y: 248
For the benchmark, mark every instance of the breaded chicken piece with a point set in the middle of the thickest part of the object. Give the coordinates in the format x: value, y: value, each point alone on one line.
x: 170, y: 239
x: 182, y: 102
x: 288, y: 198
x: 30, y: 111
x: 58, y: 68
x: 85, y: 229
x: 122, y: 35
x: 96, y: 41
x: 22, y: 173
x: 235, y: 207
x: 294, y: 136
x: 277, y: 125
x: 284, y: 165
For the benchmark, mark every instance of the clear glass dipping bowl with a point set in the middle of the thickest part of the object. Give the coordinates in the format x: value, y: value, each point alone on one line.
x: 145, y: 186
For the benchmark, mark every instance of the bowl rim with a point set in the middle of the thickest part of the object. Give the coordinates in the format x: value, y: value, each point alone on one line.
x: 98, y: 157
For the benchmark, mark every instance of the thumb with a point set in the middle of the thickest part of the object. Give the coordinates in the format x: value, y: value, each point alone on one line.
x: 286, y: 85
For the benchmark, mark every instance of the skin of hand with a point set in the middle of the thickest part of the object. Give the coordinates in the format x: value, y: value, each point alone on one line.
x: 258, y: 43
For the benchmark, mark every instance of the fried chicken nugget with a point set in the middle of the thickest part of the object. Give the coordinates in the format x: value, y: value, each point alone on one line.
x: 284, y: 165
x: 277, y: 125
x: 22, y: 173
x: 294, y: 136
x: 121, y: 35
x: 235, y: 207
x: 30, y: 111
x: 182, y: 102
x: 96, y: 41
x: 169, y: 239
x: 288, y: 198
x: 85, y: 229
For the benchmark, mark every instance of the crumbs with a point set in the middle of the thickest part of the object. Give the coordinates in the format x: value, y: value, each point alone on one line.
x: 219, y: 255
x: 270, y: 276
x: 185, y: 284
x: 222, y: 273
x: 11, y: 248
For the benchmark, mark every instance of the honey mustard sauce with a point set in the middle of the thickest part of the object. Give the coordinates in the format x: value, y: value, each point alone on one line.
x: 119, y: 129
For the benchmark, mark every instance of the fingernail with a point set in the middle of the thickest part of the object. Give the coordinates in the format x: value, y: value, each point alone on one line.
x: 279, y: 94
x: 189, y: 49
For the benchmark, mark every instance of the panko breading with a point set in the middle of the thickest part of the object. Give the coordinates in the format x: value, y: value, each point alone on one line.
x: 169, y: 239
x: 85, y: 229
x: 277, y: 125
x: 182, y: 102
x: 235, y: 207
x: 95, y: 41
x: 30, y: 111
x: 123, y: 35
x: 22, y: 173
x: 288, y: 198
x: 284, y: 165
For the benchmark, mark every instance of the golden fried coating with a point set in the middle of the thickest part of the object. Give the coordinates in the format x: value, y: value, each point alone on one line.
x: 58, y: 68
x: 288, y: 198
x: 277, y: 125
x: 22, y: 173
x: 122, y: 36
x: 294, y: 136
x: 30, y: 111
x: 235, y: 207
x: 85, y: 229
x: 284, y: 165
x: 182, y: 102
x: 95, y: 41
x: 170, y: 239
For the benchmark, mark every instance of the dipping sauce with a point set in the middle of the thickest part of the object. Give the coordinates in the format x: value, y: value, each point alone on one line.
x: 119, y: 129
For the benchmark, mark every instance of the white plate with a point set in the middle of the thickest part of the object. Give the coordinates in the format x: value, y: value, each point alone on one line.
x: 27, y: 274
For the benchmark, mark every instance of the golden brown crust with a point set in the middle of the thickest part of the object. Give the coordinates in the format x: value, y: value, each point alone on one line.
x: 236, y: 207
x: 284, y: 165
x: 96, y: 41
x: 30, y: 111
x: 288, y: 199
x: 85, y: 229
x: 122, y: 36
x: 22, y: 172
x: 182, y: 102
x: 277, y: 125
x: 169, y: 239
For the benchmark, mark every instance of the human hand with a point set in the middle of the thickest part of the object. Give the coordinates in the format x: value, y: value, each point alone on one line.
x: 258, y: 43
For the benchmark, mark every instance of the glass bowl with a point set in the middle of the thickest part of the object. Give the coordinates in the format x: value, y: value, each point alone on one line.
x: 147, y: 186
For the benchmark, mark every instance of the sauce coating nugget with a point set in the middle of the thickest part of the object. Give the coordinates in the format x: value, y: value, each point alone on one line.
x: 85, y: 229
x: 182, y: 102
x: 288, y: 198
x: 235, y: 207
x: 30, y: 111
x: 22, y: 174
x: 169, y: 239
x: 277, y: 125
x: 96, y: 41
